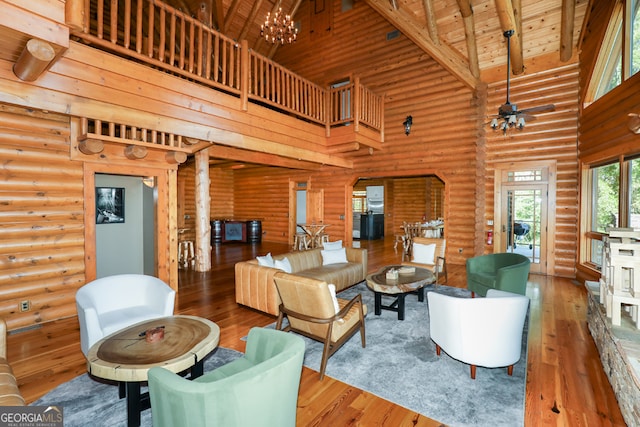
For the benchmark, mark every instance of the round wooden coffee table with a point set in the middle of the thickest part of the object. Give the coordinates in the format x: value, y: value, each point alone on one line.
x: 126, y: 356
x: 412, y: 283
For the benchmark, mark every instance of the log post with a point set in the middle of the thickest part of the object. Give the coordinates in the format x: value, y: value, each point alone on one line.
x: 34, y: 59
x: 203, y: 212
x: 135, y: 152
x: 74, y: 14
x: 244, y: 75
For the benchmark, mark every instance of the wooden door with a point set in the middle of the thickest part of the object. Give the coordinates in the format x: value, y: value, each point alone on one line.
x: 315, y: 206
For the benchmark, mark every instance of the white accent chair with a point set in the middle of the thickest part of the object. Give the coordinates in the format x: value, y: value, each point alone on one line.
x: 479, y: 331
x: 111, y: 303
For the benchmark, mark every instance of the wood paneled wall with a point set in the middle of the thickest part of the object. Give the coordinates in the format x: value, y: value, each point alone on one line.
x: 552, y: 136
x: 604, y: 131
x: 41, y: 218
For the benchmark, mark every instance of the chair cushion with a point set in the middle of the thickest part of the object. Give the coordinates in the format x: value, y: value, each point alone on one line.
x: 352, y: 317
x: 116, y: 320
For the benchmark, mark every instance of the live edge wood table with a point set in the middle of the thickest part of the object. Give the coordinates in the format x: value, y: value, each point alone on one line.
x: 126, y: 356
x: 399, y: 288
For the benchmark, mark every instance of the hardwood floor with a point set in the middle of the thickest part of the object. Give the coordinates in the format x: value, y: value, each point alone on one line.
x: 566, y: 385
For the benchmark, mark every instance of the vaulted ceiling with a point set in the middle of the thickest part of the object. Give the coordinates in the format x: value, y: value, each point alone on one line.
x: 464, y: 36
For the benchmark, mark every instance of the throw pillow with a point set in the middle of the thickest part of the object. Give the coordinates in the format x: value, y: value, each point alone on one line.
x: 332, y: 291
x: 266, y: 261
x: 284, y: 265
x: 336, y: 306
x: 424, y: 254
x: 335, y: 256
x: 330, y: 246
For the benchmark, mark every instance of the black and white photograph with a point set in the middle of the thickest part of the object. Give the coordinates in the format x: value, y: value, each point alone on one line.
x: 109, y: 205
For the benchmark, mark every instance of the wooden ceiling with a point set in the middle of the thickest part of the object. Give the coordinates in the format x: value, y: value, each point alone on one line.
x: 464, y: 36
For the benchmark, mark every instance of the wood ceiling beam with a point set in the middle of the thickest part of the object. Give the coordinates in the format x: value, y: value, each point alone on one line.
x: 507, y: 15
x: 235, y: 154
x: 470, y: 34
x: 231, y: 13
x: 449, y: 58
x: 217, y: 14
x: 432, y: 25
x: 566, y: 29
x: 251, y: 20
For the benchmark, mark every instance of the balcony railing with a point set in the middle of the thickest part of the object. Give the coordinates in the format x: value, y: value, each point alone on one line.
x: 157, y: 34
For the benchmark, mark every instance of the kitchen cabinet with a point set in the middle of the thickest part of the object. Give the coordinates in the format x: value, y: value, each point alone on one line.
x: 371, y: 226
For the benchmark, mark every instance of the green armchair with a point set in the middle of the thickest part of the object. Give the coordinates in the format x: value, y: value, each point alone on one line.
x: 503, y: 271
x: 258, y: 389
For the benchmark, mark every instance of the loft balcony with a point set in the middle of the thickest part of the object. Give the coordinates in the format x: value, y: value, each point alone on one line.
x: 155, y: 34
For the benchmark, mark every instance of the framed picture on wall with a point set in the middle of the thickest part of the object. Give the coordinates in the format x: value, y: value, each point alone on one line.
x: 109, y: 205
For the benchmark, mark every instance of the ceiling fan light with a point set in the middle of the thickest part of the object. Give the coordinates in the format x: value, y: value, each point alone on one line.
x: 494, y: 124
x: 512, y: 120
x: 504, y: 125
x: 521, y: 122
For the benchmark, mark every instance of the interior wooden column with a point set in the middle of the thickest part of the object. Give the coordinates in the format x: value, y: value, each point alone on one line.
x: 203, y: 203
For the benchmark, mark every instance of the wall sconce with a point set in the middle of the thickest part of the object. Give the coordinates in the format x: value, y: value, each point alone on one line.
x: 407, y: 125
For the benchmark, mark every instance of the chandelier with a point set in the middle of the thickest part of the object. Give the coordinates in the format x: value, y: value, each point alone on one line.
x: 279, y: 28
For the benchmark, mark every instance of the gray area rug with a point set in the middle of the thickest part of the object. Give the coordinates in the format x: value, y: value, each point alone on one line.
x: 399, y: 364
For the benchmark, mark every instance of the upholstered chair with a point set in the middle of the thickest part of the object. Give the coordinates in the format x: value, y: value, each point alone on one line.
x: 111, y: 303
x: 429, y: 253
x: 313, y: 311
x: 503, y: 271
x: 259, y: 389
x: 479, y: 331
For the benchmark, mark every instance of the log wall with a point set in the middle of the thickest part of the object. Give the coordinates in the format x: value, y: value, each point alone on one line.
x: 41, y: 218
x: 552, y: 136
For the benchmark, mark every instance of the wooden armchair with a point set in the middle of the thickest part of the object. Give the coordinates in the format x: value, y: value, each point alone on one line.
x: 436, y: 263
x: 313, y: 312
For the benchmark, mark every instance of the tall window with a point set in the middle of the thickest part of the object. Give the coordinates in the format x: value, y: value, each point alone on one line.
x: 619, y: 56
x: 614, y: 196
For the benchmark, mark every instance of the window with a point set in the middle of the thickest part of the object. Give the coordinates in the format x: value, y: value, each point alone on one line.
x: 614, y: 196
x: 605, y: 197
x: 634, y: 193
x: 619, y: 56
x: 359, y: 201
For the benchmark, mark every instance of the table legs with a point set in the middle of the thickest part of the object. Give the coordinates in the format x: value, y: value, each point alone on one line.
x: 398, y: 303
x: 138, y: 402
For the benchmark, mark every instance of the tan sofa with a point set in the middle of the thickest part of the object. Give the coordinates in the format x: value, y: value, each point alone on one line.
x: 255, y: 287
x: 9, y: 392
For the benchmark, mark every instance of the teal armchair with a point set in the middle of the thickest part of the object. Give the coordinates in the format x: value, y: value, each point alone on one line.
x: 258, y: 389
x: 503, y: 271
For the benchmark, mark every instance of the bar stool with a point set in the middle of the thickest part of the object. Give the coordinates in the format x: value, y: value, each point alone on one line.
x: 187, y: 254
x: 300, y: 242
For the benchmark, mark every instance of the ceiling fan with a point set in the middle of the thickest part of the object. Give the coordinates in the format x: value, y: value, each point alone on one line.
x: 508, y: 114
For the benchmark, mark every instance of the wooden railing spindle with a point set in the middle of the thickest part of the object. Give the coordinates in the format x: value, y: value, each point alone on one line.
x: 113, y: 27
x: 192, y: 42
x: 161, y: 45
x: 127, y: 23
x: 139, y: 35
x: 172, y: 40
x: 150, y: 30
